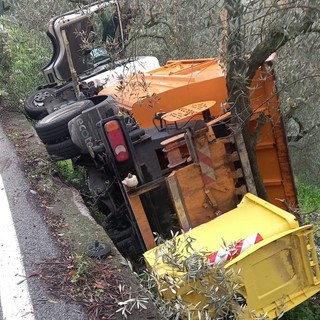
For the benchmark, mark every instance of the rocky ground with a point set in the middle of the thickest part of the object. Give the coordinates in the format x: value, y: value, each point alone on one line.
x: 106, y: 288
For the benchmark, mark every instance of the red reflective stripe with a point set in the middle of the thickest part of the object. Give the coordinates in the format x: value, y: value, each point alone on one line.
x: 233, y: 250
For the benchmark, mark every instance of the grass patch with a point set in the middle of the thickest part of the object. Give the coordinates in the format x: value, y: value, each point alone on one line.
x: 308, y: 196
x: 13, y: 136
x: 96, y: 213
x: 75, y: 177
x: 309, y: 201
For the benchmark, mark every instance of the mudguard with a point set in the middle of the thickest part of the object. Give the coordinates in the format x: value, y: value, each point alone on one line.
x: 83, y: 128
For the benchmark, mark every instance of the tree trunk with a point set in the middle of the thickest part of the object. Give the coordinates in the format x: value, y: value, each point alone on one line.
x: 250, y: 143
x: 238, y: 98
x: 238, y: 87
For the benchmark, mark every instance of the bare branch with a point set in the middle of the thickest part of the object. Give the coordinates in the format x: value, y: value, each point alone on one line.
x: 276, y: 39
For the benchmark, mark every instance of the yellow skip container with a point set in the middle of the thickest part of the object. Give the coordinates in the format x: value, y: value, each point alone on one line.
x: 277, y: 273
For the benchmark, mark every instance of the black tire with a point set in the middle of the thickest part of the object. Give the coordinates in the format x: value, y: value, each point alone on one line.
x: 54, y: 127
x: 53, y: 107
x: 62, y: 150
x: 36, y: 104
x: 106, y: 101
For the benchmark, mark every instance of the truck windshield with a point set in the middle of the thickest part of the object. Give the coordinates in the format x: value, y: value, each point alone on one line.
x: 94, y: 36
x: 102, y: 36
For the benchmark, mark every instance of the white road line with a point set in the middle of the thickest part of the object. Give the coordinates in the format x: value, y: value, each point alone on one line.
x: 14, y: 294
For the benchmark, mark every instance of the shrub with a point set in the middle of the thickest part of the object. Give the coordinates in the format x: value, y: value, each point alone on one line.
x: 5, y: 62
x: 215, y: 290
x: 309, y: 310
x: 23, y: 54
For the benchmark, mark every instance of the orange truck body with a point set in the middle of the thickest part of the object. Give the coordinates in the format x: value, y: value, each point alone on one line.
x: 185, y: 82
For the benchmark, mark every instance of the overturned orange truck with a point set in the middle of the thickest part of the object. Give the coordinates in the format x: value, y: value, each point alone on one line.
x: 161, y: 155
x: 190, y: 90
x: 206, y: 172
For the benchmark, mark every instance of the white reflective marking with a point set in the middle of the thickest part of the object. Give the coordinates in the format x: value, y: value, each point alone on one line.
x: 120, y: 148
x: 14, y: 294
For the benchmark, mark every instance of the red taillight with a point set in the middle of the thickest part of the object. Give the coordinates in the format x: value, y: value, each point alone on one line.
x: 116, y: 139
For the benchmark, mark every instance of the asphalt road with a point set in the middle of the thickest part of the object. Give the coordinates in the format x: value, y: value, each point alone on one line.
x: 24, y: 242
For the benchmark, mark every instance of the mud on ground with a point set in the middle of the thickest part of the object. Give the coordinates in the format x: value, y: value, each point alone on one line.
x: 100, y: 286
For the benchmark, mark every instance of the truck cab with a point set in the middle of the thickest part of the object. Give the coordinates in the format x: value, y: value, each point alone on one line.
x: 79, y: 28
x: 85, y: 43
